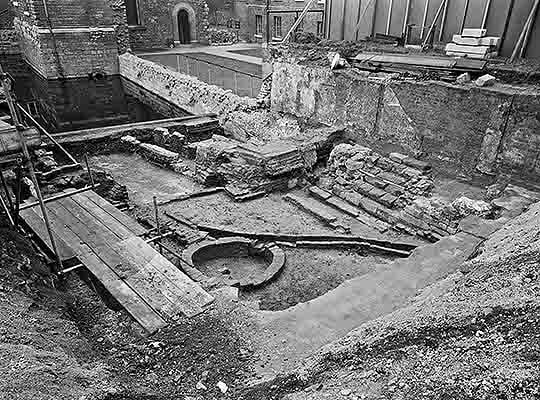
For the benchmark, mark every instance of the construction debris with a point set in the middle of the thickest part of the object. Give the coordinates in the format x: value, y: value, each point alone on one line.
x: 473, y: 43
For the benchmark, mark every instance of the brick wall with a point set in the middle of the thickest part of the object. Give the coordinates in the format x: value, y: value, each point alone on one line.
x: 9, y: 42
x: 458, y: 129
x: 87, y: 36
x: 287, y: 19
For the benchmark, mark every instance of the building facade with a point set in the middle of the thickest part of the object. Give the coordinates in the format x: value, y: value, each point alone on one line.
x: 71, y: 38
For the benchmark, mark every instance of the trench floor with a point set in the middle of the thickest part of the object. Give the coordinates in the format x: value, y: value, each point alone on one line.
x: 321, y: 295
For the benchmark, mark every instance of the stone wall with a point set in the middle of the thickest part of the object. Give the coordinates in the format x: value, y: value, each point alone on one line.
x: 185, y: 91
x: 158, y: 24
x: 459, y: 129
x: 9, y: 43
x: 79, y: 38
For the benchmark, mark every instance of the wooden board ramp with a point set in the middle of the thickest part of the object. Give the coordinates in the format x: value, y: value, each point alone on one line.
x: 108, y: 243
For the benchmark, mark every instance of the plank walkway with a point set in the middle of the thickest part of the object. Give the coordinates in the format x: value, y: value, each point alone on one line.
x: 107, y: 242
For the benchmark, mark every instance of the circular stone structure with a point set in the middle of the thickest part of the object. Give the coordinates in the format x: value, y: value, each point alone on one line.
x: 199, y: 253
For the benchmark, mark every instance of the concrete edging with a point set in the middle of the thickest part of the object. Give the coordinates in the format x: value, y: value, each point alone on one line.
x: 240, y: 246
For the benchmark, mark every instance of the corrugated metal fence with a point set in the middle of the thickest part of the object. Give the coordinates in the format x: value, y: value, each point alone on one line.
x: 503, y: 18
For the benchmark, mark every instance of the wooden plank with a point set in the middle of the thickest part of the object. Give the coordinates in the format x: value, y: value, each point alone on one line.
x: 126, y: 296
x: 133, y: 303
x: 34, y: 220
x: 187, y: 296
x: 193, y: 297
x: 124, y: 219
x: 103, y: 217
x: 102, y: 242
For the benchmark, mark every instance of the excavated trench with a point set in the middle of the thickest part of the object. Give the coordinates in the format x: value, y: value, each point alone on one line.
x: 307, y: 274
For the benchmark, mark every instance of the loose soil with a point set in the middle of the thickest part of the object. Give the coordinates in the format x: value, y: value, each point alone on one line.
x: 237, y: 267
x: 142, y: 178
x: 310, y: 273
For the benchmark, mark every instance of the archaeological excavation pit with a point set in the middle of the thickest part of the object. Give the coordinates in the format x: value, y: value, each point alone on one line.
x: 305, y: 220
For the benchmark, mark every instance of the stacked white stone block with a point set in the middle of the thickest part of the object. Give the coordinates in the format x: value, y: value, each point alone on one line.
x: 473, y: 43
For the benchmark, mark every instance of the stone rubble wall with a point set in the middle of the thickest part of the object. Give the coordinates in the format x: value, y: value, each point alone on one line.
x: 458, y: 129
x: 187, y: 92
x: 396, y: 189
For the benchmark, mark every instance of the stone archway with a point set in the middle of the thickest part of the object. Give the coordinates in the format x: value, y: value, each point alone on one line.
x: 180, y: 10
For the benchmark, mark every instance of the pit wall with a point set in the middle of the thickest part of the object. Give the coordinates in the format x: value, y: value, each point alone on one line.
x: 187, y: 92
x: 458, y: 129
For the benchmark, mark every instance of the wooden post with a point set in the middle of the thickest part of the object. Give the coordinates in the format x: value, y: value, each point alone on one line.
x: 506, y: 23
x: 432, y: 26
x: 424, y: 19
x: 521, y: 39
x: 406, y: 17
x: 529, y: 31
x: 158, y: 224
x: 486, y: 12
x: 26, y: 154
x: 443, y: 20
x: 465, y: 10
x: 389, y: 20
x: 89, y: 171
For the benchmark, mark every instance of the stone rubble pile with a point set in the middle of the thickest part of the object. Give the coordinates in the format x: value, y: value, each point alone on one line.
x: 245, y: 166
x: 394, y: 181
x: 473, y: 43
x: 151, y: 152
x: 396, y: 189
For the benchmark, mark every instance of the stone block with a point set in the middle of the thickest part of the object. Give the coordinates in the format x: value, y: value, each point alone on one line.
x: 319, y: 193
x: 384, y: 163
x: 463, y: 78
x: 353, y: 198
x: 393, y: 178
x: 364, y: 188
x: 478, y: 50
x: 397, y: 157
x: 473, y: 32
x: 476, y: 41
x: 343, y: 206
x: 375, y: 181
x: 417, y: 164
x: 369, y: 205
x: 377, y: 193
x: 486, y: 80
x: 388, y: 200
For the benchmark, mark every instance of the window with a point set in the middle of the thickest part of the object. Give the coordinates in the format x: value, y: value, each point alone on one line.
x: 320, y: 28
x: 258, y: 25
x: 132, y: 11
x: 277, y: 27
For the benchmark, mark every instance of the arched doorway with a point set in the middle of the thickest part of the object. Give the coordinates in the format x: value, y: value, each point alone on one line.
x: 184, y: 23
x: 184, y: 29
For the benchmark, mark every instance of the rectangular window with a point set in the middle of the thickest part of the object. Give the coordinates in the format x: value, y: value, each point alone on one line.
x: 320, y: 28
x: 258, y: 25
x: 132, y: 11
x: 277, y: 33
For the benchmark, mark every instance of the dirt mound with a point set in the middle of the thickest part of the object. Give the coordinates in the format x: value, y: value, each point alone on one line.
x: 42, y: 354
